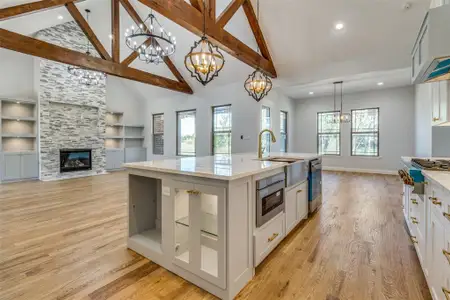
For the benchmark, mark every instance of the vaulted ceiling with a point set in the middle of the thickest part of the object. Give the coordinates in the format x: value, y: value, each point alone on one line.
x: 305, y: 47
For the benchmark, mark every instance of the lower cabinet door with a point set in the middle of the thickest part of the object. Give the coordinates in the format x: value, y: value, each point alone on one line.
x: 119, y: 159
x: 29, y: 165
x: 302, y: 201
x: 291, y: 209
x: 437, y: 272
x: 12, y: 166
x: 110, y: 159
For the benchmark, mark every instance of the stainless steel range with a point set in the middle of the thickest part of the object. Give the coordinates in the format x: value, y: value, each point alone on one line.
x: 432, y: 165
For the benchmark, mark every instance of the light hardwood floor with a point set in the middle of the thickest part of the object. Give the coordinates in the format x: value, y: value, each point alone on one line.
x: 66, y: 240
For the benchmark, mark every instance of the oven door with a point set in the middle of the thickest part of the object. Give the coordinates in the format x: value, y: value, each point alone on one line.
x: 269, y: 203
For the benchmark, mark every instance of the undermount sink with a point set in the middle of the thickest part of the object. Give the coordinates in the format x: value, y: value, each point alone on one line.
x: 281, y: 159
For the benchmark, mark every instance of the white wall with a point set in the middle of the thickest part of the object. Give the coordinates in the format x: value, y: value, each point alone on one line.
x: 245, y: 117
x: 396, y: 128
x: 16, y: 74
x: 441, y: 141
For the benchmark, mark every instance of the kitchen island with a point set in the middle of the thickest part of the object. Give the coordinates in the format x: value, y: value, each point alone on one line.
x: 196, y: 216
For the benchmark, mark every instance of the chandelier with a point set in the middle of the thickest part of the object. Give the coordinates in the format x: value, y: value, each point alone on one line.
x: 150, y: 40
x: 340, y: 117
x: 204, y: 61
x: 85, y: 76
x: 258, y: 84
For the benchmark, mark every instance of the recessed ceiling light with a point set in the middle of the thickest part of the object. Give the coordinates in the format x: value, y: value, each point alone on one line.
x: 110, y: 36
x: 339, y: 26
x: 18, y: 102
x: 380, y: 83
x: 311, y: 93
x: 60, y: 17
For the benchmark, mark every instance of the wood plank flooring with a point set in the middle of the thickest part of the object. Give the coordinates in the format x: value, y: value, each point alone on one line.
x: 67, y: 240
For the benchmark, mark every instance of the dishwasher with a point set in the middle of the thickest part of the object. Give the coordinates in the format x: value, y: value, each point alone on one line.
x: 315, y: 184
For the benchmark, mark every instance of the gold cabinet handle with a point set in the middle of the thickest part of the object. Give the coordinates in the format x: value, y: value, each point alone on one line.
x: 414, y: 201
x: 414, y: 240
x: 299, y: 191
x: 432, y: 198
x: 414, y: 220
x: 446, y: 293
x: 425, y: 182
x: 436, y: 119
x: 193, y: 192
x: 446, y: 215
x: 274, y: 236
x: 446, y: 254
x: 436, y: 202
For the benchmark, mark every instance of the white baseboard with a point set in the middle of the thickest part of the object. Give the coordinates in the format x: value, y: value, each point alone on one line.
x: 369, y: 171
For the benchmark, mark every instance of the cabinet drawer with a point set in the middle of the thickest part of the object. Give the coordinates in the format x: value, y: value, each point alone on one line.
x: 268, y: 237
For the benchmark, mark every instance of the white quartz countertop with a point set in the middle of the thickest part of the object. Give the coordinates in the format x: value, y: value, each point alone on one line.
x: 224, y: 167
x: 439, y: 177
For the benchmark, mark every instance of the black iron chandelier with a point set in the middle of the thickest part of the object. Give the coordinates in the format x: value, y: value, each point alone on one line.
x: 204, y: 61
x: 150, y: 40
x: 339, y: 116
x: 85, y: 76
x: 258, y: 84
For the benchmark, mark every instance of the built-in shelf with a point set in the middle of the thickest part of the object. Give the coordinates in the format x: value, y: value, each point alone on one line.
x: 149, y: 239
x: 19, y: 101
x: 135, y: 125
x: 113, y: 137
x: 18, y: 135
x: 15, y: 118
x: 115, y: 125
x: 134, y: 137
x: 208, y: 223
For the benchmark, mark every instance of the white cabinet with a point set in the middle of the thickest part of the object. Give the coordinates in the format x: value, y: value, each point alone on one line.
x: 200, y: 230
x: 296, y: 205
x: 20, y: 166
x: 114, y: 159
x: 438, y: 263
x: 439, y: 94
x: 135, y: 154
x: 268, y: 236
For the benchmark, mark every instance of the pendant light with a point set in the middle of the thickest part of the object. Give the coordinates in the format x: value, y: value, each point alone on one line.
x: 344, y: 117
x: 85, y: 76
x: 161, y: 43
x: 204, y: 61
x: 258, y: 84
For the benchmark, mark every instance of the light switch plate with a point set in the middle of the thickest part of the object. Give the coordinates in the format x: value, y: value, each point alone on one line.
x: 166, y: 191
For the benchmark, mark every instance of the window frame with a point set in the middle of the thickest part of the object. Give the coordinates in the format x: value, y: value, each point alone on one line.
x: 156, y: 134
x: 286, y: 130
x: 319, y: 133
x: 365, y: 132
x: 226, y: 131
x: 178, y: 128
x: 270, y: 124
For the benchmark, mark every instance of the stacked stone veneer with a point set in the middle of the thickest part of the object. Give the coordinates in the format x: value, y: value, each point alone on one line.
x: 70, y: 115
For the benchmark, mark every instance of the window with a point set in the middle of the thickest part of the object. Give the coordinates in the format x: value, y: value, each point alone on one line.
x: 221, y: 139
x: 365, y: 132
x: 283, y: 131
x: 265, y: 124
x: 328, y: 133
x: 186, y: 133
x: 158, y: 134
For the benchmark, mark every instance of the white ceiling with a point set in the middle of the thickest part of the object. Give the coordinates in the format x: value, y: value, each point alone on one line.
x: 307, y: 51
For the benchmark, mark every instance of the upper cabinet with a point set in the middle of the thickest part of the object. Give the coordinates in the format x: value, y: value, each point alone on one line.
x: 440, y: 102
x: 431, y: 52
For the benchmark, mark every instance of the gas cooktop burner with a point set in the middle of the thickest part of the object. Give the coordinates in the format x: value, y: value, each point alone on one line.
x: 428, y: 164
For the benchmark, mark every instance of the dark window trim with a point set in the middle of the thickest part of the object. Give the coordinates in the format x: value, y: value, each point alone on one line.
x: 156, y: 134
x: 212, y: 126
x: 176, y: 136
x: 338, y: 133
x: 365, y: 132
x: 286, y: 133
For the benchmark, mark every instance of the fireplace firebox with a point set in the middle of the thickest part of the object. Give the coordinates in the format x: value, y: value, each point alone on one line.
x: 72, y: 160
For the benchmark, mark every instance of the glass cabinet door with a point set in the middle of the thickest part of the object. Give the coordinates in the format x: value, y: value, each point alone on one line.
x: 200, y: 232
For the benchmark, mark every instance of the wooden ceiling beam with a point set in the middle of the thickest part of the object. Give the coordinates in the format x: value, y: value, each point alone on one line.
x: 138, y: 20
x: 115, y: 30
x: 198, y: 4
x: 76, y: 15
x: 254, y: 25
x: 15, y: 11
x: 211, y: 9
x: 229, y: 12
x: 27, y: 45
x: 190, y: 18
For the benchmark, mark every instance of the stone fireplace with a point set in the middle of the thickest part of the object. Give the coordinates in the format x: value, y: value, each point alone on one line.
x: 73, y: 160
